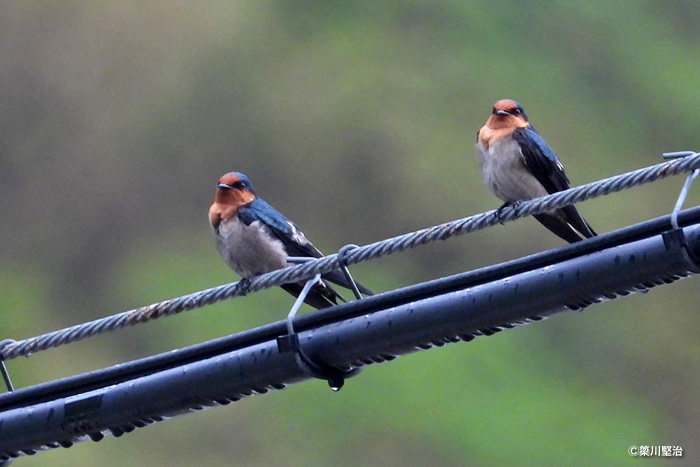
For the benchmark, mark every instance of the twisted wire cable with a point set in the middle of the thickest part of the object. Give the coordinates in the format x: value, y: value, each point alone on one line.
x: 307, y: 270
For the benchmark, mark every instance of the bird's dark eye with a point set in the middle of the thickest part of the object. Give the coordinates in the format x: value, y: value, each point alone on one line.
x: 239, y: 185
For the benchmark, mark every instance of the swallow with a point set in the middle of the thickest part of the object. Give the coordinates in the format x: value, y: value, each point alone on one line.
x: 517, y: 164
x: 254, y: 238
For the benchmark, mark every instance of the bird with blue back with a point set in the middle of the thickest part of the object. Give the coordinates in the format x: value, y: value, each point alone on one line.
x: 254, y: 238
x: 517, y: 164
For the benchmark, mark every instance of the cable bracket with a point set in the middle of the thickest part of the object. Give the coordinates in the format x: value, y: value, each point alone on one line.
x: 290, y: 343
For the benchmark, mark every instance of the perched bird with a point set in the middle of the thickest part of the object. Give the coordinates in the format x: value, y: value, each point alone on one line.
x: 517, y: 164
x: 254, y: 238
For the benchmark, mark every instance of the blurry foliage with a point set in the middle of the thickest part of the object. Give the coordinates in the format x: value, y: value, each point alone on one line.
x: 357, y: 120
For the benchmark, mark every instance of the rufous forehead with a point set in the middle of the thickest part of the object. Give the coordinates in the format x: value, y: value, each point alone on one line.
x: 229, y: 179
x: 506, y: 104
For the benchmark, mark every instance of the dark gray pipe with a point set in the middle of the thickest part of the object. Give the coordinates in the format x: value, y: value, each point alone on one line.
x: 354, y: 342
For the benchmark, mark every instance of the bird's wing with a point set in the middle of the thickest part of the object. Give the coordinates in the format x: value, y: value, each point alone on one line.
x: 544, y: 164
x: 281, y: 228
x: 541, y: 160
x: 293, y: 239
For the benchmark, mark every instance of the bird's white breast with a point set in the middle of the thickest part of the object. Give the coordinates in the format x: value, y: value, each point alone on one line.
x: 505, y: 173
x: 249, y: 250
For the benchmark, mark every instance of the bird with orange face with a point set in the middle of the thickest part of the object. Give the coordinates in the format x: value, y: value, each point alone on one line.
x: 517, y: 164
x: 254, y: 238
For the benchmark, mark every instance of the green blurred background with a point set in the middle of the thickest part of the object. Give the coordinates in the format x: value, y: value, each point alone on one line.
x: 356, y: 119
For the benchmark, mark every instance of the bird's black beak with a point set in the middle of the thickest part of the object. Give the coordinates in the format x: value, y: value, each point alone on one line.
x: 502, y: 112
x: 223, y: 186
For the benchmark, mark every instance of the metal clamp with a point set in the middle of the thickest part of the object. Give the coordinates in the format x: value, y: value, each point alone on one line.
x: 290, y: 343
x: 3, y: 368
x: 343, y: 262
x: 686, y: 186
